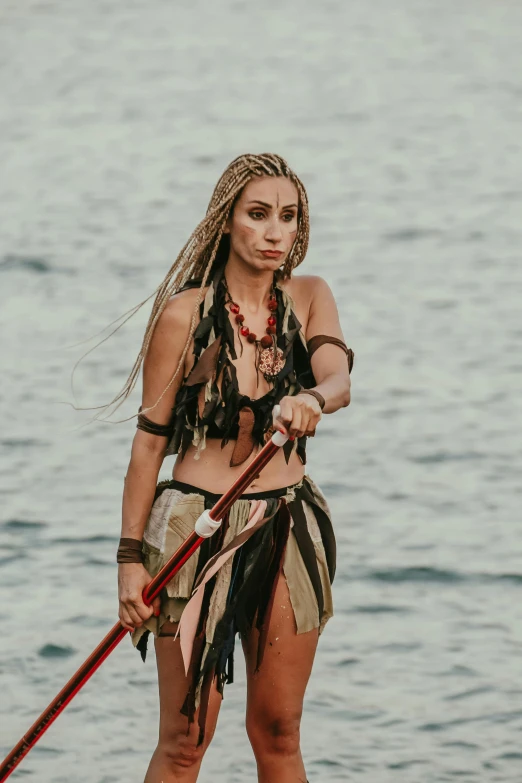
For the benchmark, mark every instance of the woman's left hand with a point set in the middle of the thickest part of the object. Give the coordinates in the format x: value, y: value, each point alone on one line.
x: 299, y: 415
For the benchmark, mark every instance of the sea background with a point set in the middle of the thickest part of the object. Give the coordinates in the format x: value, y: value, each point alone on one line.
x: 404, y: 121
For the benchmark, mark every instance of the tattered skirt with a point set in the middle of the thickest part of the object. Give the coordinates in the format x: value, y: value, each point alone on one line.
x: 233, y: 576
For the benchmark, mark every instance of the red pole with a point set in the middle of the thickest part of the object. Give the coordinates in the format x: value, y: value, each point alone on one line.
x: 116, y: 634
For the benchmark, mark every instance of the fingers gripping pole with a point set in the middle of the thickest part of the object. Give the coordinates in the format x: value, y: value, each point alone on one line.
x: 279, y: 438
x: 276, y: 414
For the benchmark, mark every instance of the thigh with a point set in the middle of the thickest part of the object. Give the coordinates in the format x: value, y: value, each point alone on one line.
x: 277, y: 690
x: 173, y: 686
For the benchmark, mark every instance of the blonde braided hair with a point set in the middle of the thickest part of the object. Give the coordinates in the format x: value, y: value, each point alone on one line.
x: 205, y: 247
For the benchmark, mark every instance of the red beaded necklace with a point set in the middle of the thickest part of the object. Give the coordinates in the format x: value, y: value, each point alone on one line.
x: 269, y: 358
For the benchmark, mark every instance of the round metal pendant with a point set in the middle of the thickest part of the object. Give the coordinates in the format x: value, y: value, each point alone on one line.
x: 270, y: 364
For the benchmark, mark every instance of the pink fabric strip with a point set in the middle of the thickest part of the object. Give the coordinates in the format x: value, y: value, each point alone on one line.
x: 190, y: 617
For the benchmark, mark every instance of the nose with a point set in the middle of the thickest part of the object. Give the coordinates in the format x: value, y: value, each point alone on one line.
x: 273, y: 231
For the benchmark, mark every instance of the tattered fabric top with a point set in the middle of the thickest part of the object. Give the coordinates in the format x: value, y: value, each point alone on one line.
x: 209, y: 403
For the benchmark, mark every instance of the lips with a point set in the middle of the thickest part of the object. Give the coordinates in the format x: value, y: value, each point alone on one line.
x: 272, y: 253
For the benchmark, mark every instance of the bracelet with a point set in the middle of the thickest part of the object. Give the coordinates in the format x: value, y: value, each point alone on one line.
x: 129, y: 551
x: 319, y: 397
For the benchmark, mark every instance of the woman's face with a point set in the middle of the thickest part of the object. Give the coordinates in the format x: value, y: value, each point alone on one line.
x: 263, y: 224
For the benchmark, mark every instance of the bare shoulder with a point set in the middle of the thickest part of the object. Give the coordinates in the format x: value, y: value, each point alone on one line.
x: 173, y: 325
x: 180, y: 307
x: 317, y: 309
x: 306, y: 290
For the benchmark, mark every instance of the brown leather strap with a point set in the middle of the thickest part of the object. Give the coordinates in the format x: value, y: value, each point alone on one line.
x: 129, y: 551
x: 318, y: 396
x: 317, y: 340
x: 205, y: 367
x: 147, y: 425
x: 245, y: 440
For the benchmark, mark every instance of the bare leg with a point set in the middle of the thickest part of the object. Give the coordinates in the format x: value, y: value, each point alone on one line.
x: 177, y: 759
x: 275, y: 694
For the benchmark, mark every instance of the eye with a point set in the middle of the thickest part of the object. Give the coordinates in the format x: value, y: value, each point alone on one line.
x: 256, y: 214
x: 288, y: 217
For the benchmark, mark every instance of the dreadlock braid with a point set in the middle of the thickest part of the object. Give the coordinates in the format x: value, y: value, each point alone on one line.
x: 197, y: 257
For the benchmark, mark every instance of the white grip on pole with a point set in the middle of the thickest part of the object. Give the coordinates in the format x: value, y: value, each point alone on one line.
x: 278, y: 438
x: 206, y: 526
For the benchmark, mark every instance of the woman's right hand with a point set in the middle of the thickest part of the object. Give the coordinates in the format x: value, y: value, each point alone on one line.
x: 132, y: 579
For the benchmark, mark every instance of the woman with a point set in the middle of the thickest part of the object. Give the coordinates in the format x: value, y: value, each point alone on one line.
x: 233, y: 332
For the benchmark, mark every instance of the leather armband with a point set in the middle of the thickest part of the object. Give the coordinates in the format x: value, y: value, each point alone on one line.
x: 147, y: 425
x: 321, y: 339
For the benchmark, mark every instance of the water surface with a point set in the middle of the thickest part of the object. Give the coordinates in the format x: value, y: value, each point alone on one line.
x: 403, y: 119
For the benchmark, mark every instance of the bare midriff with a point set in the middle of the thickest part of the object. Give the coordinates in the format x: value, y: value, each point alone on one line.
x: 212, y: 470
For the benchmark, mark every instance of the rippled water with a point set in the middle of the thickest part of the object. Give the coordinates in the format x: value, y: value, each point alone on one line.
x: 404, y: 121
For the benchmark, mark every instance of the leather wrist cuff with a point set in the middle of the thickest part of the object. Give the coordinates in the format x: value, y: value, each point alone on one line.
x: 129, y: 551
x: 319, y: 397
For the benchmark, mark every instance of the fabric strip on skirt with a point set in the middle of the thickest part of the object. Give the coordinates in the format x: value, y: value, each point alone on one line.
x: 295, y: 537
